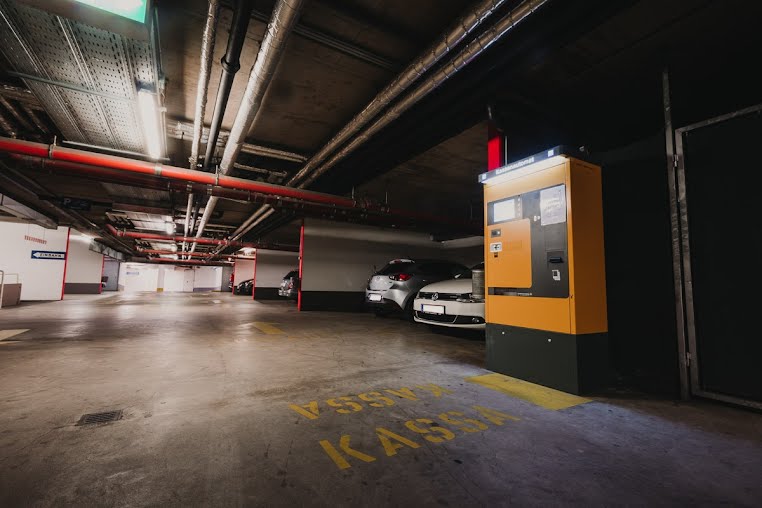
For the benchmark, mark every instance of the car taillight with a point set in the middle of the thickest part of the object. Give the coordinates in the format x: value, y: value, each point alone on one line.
x: 401, y: 276
x: 291, y: 285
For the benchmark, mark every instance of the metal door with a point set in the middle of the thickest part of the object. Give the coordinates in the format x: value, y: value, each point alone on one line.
x: 719, y: 180
x: 188, y: 280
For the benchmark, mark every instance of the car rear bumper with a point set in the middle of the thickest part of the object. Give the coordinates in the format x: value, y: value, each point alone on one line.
x: 288, y: 293
x: 456, y: 314
x: 393, y: 299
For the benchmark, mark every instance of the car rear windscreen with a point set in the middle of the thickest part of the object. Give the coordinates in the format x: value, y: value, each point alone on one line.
x: 394, y: 268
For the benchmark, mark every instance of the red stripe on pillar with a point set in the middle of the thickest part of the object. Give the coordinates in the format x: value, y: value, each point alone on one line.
x: 301, y: 265
x: 66, y: 261
x: 495, y: 148
x: 103, y: 268
x: 254, y: 279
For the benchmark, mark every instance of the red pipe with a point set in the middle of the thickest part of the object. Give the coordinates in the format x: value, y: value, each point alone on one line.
x: 153, y: 236
x: 192, y: 254
x: 206, y: 241
x: 185, y: 262
x: 155, y: 169
x: 93, y: 163
x: 152, y: 182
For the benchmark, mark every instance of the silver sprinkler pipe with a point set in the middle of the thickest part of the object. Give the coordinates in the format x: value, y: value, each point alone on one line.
x: 6, y: 126
x: 35, y: 119
x: 20, y: 120
x: 458, y: 62
x: 461, y: 29
x: 281, y: 24
x: 208, y: 39
x: 186, y: 227
x: 259, y: 216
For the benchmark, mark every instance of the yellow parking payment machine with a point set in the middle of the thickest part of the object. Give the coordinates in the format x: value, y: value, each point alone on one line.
x: 544, y: 272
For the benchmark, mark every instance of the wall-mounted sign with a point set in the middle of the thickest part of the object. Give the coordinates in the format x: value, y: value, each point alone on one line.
x: 130, y: 9
x: 48, y: 254
x: 553, y: 205
x: 130, y: 18
x: 77, y: 204
x: 35, y: 239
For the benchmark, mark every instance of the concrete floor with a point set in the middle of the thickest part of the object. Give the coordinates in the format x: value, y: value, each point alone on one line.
x: 228, y: 402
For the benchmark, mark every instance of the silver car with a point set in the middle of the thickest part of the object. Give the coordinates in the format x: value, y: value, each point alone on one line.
x: 289, y: 286
x: 393, y: 288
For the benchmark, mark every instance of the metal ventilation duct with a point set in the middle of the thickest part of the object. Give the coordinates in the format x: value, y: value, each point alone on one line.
x: 442, y: 46
x: 459, y: 61
x: 284, y: 17
x: 86, y: 78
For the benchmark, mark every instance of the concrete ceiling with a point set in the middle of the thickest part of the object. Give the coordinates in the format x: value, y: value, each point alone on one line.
x: 316, y: 89
x: 565, y: 75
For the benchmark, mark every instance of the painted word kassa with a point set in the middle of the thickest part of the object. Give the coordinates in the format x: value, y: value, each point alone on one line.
x: 441, y: 428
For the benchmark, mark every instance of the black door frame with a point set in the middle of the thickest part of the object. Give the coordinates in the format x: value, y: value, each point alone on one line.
x: 690, y: 383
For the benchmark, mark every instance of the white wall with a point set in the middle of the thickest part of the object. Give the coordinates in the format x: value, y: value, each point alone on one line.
x: 243, y: 270
x: 468, y: 251
x: 138, y: 277
x: 41, y: 279
x: 169, y: 278
x: 207, y: 278
x: 273, y: 265
x: 84, y: 266
x: 174, y: 278
x: 342, y: 257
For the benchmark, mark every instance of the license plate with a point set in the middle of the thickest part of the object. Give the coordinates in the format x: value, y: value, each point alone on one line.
x: 433, y: 309
x: 374, y: 298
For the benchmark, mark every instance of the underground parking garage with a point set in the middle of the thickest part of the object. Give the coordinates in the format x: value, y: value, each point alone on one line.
x: 379, y: 253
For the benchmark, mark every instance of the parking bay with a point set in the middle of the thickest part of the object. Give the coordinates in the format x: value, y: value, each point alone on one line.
x: 388, y: 413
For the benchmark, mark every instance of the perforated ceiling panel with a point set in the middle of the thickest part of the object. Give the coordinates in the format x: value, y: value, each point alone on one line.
x: 48, y: 46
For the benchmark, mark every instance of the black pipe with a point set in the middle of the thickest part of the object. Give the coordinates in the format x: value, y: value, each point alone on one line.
x: 230, y: 65
x: 192, y: 225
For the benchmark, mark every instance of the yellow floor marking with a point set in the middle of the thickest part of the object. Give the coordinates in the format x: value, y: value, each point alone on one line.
x: 7, y: 334
x: 530, y: 392
x: 267, y: 328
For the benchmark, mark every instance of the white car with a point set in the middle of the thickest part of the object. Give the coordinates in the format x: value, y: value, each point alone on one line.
x: 449, y: 303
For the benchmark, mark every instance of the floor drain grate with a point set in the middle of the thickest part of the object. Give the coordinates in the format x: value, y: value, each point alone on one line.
x: 106, y: 417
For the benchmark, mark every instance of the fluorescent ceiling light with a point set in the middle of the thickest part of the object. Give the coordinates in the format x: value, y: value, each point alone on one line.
x: 130, y: 9
x: 169, y: 227
x: 149, y: 117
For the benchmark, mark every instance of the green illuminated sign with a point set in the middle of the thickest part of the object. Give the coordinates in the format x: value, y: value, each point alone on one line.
x: 130, y: 9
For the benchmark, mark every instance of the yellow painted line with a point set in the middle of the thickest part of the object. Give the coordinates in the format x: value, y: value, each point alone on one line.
x: 536, y: 394
x: 267, y: 328
x: 7, y: 334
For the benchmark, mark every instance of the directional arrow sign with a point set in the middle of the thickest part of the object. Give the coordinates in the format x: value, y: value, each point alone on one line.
x: 48, y: 254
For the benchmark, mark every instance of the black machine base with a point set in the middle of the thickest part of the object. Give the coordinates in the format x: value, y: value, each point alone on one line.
x: 571, y: 363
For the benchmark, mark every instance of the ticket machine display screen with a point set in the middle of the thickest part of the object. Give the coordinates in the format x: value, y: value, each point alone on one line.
x: 528, y: 244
